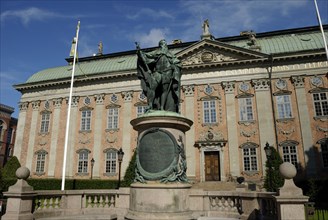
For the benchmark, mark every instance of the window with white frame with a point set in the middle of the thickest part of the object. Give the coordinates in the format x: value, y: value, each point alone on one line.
x: 85, y: 120
x: 45, y: 120
x: 245, y: 109
x: 284, y: 106
x: 83, y: 156
x: 112, y: 118
x: 320, y: 103
x: 250, y: 158
x: 141, y: 109
x: 40, y: 161
x: 209, y: 111
x: 111, y: 158
x: 324, y: 152
x: 290, y: 154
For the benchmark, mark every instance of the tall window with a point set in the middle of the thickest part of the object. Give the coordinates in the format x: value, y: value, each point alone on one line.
x: 324, y: 153
x: 320, y: 104
x: 112, y: 118
x: 86, y: 120
x: 290, y: 154
x: 250, y: 159
x: 111, y: 157
x: 209, y: 111
x: 284, y: 106
x: 45, y: 119
x: 40, y: 161
x: 83, y: 162
x: 245, y: 109
x: 141, y: 109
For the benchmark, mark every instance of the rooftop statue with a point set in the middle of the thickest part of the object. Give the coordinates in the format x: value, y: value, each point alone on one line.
x: 160, y: 74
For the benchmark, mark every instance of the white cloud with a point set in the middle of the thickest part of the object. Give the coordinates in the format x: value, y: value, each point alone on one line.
x: 150, y: 13
x: 230, y: 17
x: 152, y: 38
x: 33, y: 14
x: 27, y: 15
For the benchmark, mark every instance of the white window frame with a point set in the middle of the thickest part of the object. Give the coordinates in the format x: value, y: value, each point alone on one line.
x: 83, y: 162
x: 209, y: 111
x: 250, y: 160
x: 141, y: 109
x: 112, y: 118
x: 111, y: 162
x: 246, y: 109
x: 284, y: 106
x: 40, y: 161
x: 289, y: 154
x: 45, y: 122
x: 320, y: 103
x: 86, y: 120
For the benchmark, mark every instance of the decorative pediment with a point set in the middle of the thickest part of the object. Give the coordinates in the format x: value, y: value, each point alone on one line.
x: 212, y: 53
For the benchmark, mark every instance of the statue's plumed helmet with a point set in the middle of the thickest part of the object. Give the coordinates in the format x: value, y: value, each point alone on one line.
x: 161, y: 42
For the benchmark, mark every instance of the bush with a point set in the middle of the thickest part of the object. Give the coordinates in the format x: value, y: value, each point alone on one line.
x: 273, y: 180
x: 130, y: 171
x: 9, y: 170
x: 316, y: 189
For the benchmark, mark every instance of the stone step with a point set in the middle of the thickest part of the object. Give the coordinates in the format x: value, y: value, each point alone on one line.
x: 215, y: 186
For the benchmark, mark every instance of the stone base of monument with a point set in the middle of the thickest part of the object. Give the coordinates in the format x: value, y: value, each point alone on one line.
x: 159, y: 201
x: 161, y: 189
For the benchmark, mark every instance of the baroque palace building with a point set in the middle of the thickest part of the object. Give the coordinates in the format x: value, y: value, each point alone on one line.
x: 8, y: 127
x: 241, y: 92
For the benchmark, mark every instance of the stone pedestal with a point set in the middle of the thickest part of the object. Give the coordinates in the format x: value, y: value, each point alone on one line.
x: 20, y: 198
x: 159, y: 201
x: 161, y: 190
x: 290, y: 201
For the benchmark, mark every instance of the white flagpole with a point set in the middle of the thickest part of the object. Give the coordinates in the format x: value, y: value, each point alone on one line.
x: 69, y: 109
x: 321, y: 28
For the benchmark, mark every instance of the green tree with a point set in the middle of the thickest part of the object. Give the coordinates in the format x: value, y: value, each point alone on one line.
x: 273, y: 180
x: 9, y: 170
x: 130, y: 171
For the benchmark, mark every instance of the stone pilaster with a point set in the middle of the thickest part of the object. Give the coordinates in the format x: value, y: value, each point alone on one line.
x: 305, y: 123
x: 264, y: 115
x: 126, y: 138
x: 23, y: 106
x: 54, y: 137
x: 189, y: 91
x: 71, y: 170
x: 98, y: 134
x: 32, y: 134
x: 229, y: 89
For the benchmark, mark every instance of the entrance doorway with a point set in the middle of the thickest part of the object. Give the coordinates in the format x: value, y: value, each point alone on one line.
x: 212, y: 166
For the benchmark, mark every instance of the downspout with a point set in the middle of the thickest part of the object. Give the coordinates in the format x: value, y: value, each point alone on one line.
x: 272, y: 103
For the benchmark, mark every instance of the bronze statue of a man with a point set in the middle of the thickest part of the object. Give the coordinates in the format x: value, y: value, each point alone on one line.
x: 160, y: 75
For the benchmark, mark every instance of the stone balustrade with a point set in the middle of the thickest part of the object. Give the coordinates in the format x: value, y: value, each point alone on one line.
x: 26, y: 203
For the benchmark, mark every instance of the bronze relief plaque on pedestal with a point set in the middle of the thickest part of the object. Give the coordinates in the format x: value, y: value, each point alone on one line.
x: 157, y: 154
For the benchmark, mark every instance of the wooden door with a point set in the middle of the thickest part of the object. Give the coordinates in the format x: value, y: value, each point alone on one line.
x: 212, y: 166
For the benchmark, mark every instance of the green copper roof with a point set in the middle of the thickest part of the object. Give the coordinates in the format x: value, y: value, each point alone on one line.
x: 286, y: 43
x: 270, y: 44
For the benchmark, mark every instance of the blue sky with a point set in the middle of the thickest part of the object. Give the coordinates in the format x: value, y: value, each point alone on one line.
x: 36, y: 35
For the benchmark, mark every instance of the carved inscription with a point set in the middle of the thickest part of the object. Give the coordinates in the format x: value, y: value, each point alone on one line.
x: 156, y: 151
